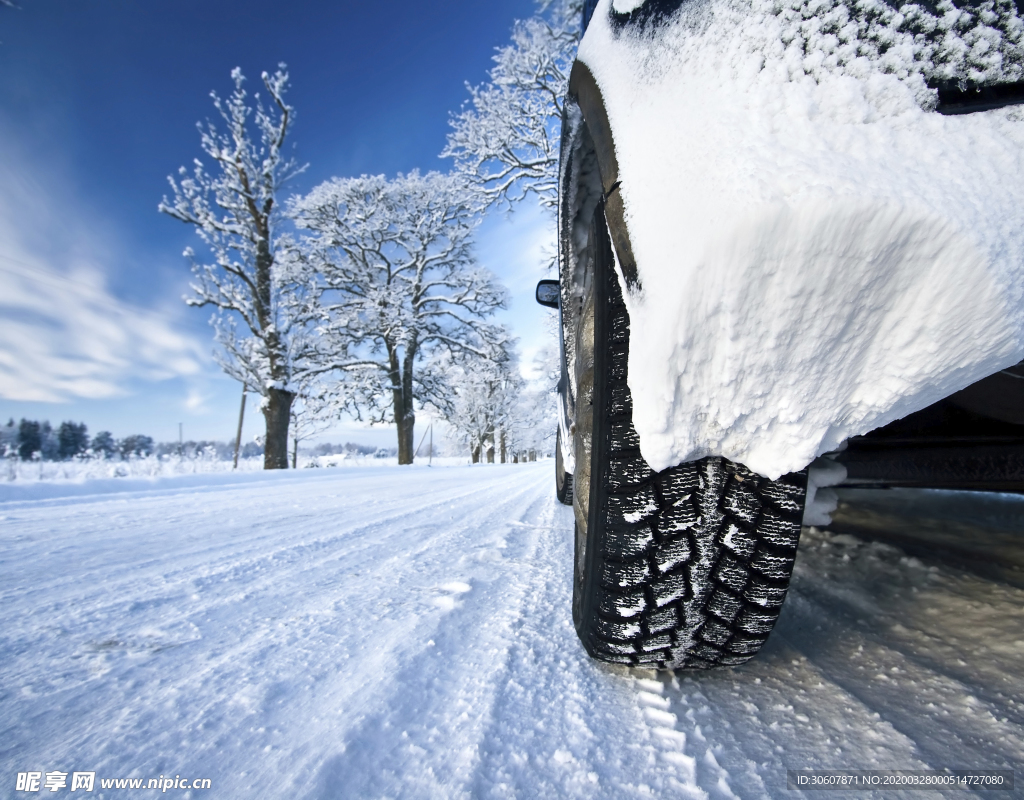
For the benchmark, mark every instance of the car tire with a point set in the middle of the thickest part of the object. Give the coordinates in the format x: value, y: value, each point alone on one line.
x: 563, y: 479
x: 687, y: 567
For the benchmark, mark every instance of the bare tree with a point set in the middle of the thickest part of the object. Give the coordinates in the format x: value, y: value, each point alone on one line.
x: 507, y: 140
x: 401, y: 289
x: 252, y: 279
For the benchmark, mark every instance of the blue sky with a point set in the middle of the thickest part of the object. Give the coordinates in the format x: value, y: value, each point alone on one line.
x: 98, y: 104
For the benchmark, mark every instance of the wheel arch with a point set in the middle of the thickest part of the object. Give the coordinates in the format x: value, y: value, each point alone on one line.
x: 587, y: 147
x: 585, y: 92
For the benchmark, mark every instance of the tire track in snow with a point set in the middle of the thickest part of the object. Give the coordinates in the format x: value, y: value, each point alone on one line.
x: 745, y: 727
x: 396, y: 590
x: 860, y: 673
x: 280, y: 639
x: 268, y: 547
x: 266, y: 534
x: 564, y: 725
x: 425, y: 741
x: 273, y: 638
x: 918, y: 637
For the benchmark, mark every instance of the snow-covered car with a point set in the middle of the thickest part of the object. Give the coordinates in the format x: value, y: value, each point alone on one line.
x: 783, y: 224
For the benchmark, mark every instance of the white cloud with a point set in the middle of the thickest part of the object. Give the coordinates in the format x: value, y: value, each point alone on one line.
x: 196, y: 401
x: 63, y: 334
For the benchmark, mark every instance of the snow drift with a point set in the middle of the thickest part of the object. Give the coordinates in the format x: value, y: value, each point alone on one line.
x: 819, y: 252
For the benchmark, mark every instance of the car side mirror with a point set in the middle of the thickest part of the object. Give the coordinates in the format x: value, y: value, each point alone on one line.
x: 548, y: 293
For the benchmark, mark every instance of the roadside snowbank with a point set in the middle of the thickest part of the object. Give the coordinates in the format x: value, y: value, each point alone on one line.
x: 15, y: 471
x: 819, y: 253
x: 83, y: 479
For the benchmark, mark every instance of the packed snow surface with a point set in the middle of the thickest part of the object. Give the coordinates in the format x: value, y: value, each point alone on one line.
x: 819, y: 251
x: 407, y: 634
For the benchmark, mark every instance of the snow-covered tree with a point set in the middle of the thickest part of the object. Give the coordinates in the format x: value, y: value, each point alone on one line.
x: 9, y: 440
x: 259, y: 291
x: 401, y: 288
x: 72, y: 440
x: 30, y: 439
x: 507, y: 139
x: 103, y: 445
x: 314, y: 411
x: 498, y: 415
x: 533, y: 425
x: 137, y: 446
x: 482, y: 409
x: 50, y: 446
x: 536, y: 419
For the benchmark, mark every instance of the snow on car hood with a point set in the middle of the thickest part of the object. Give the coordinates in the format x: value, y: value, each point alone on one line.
x: 819, y: 253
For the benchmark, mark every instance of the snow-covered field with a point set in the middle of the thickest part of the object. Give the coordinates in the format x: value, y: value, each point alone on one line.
x: 406, y: 633
x: 18, y: 473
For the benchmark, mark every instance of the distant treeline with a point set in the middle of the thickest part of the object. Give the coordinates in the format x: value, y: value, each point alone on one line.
x: 30, y: 440
x: 327, y: 449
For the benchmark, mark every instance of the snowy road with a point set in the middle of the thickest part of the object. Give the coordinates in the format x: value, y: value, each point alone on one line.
x: 384, y: 633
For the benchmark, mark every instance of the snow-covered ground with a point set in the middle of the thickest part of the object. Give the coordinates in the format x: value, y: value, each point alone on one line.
x: 406, y: 633
x: 16, y: 472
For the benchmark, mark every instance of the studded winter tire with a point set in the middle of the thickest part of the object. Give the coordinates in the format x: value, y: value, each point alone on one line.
x: 687, y: 567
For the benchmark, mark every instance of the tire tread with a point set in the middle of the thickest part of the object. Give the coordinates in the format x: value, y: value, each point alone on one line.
x: 705, y: 549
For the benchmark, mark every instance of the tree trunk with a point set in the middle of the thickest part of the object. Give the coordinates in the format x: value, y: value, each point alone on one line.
x: 277, y: 413
x: 502, y: 445
x: 405, y: 438
x: 401, y: 374
x: 278, y: 402
x: 295, y: 454
x: 476, y: 454
x: 489, y: 444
